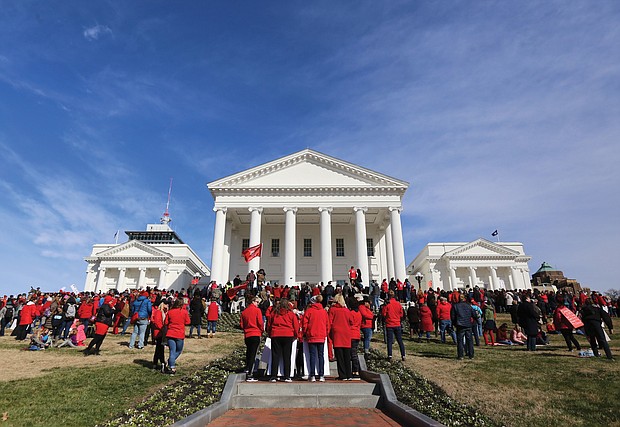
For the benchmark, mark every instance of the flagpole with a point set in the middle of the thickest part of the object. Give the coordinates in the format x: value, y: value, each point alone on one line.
x: 116, y: 237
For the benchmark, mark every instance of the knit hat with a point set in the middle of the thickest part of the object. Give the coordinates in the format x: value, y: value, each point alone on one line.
x: 313, y: 300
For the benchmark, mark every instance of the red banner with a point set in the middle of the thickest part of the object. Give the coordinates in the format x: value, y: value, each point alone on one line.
x: 233, y: 291
x: 571, y: 317
x: 250, y: 253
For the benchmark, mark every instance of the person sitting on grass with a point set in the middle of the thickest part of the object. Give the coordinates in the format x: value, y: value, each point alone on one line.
x: 517, y: 336
x: 502, y: 335
x: 41, y: 339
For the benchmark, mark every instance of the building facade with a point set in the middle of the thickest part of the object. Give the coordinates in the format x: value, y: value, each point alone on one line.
x: 156, y: 257
x: 315, y: 215
x: 489, y: 265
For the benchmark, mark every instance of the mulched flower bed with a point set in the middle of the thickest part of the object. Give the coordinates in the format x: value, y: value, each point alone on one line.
x: 426, y: 397
x: 182, y: 398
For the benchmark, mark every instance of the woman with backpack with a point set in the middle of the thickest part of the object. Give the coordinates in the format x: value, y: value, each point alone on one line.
x: 103, y: 321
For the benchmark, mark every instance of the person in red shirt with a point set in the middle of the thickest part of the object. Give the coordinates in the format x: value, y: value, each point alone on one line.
x: 352, y: 276
x: 393, y: 313
x: 341, y: 322
x: 443, y: 315
x: 356, y: 327
x: 176, y: 320
x: 26, y: 317
x: 252, y: 324
x: 367, y: 318
x: 103, y: 321
x: 315, y: 329
x: 158, y: 315
x: 213, y: 314
x: 86, y: 311
x: 283, y: 329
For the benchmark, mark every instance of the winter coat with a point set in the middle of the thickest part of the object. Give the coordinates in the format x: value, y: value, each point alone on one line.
x: 426, y: 319
x: 315, y: 324
x: 528, y: 318
x: 252, y: 321
x: 392, y: 313
x: 196, y: 310
x: 143, y: 306
x: 356, y: 316
x: 443, y: 310
x: 283, y: 324
x: 157, y: 322
x: 367, y: 316
x: 340, y: 326
x: 176, y: 319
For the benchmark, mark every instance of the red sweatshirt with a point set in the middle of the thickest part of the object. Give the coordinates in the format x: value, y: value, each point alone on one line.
x: 393, y: 312
x: 356, y: 317
x: 213, y: 312
x: 341, y: 322
x: 315, y: 324
x: 443, y: 310
x: 252, y: 321
x: 283, y: 324
x: 367, y: 316
x: 176, y: 320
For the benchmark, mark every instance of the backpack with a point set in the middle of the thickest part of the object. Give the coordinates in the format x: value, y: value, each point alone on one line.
x: 70, y: 312
x: 476, y: 314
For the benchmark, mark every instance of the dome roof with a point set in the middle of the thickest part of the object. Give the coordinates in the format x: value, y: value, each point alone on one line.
x: 545, y: 267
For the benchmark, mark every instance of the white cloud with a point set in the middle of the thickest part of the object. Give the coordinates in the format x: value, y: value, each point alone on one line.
x: 93, y: 33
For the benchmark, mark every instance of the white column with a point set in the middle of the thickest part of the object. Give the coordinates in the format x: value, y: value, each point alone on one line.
x: 453, y: 282
x: 225, y: 266
x: 326, y: 244
x: 526, y: 279
x: 120, y: 285
x: 361, y: 245
x: 141, y: 278
x: 400, y: 267
x: 515, y: 278
x: 100, y: 279
x: 218, y: 244
x: 389, y: 249
x: 255, y: 226
x: 290, y: 243
x: 494, y: 279
x: 472, y: 276
x: 90, y: 278
x: 161, y: 283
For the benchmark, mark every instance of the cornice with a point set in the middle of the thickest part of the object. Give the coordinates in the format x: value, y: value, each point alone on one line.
x: 307, y: 191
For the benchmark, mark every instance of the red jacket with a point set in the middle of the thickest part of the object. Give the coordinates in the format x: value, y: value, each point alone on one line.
x: 367, y: 316
x: 356, y: 317
x: 340, y: 330
x: 283, y: 324
x: 426, y: 319
x: 27, y: 314
x: 176, y: 320
x: 315, y: 324
x: 213, y: 312
x: 393, y: 312
x: 443, y: 310
x: 252, y: 321
x: 157, y: 321
x: 86, y: 310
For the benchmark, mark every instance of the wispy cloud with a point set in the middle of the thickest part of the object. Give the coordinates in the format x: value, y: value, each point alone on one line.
x: 96, y: 31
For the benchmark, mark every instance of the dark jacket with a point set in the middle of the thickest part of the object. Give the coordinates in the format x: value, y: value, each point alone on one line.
x: 461, y: 315
x: 196, y: 310
x: 528, y: 318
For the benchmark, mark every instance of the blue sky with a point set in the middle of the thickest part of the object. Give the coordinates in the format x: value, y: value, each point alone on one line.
x: 501, y: 115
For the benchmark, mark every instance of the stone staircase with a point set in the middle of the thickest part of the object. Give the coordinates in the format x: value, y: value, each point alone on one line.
x: 304, y: 394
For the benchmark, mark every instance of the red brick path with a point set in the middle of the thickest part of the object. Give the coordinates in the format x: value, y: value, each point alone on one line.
x: 304, y: 417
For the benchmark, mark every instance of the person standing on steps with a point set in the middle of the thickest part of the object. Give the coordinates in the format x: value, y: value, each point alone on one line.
x: 283, y: 329
x: 252, y: 324
x: 341, y: 322
x: 315, y: 328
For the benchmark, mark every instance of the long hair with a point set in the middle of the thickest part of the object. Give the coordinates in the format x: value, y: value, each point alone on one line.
x: 283, y: 306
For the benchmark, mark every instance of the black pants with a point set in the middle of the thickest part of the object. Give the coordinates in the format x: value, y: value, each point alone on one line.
x: 96, y: 342
x: 570, y: 339
x: 531, y: 343
x: 281, y: 348
x: 595, y: 334
x: 159, y: 356
x: 251, y: 344
x: 355, y: 360
x: 343, y: 361
x: 22, y: 332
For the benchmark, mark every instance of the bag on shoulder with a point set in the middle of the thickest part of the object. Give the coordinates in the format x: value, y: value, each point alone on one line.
x: 134, y: 318
x: 70, y: 311
x: 476, y: 314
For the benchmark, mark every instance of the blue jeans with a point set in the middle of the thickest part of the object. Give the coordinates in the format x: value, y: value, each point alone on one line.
x: 398, y: 333
x: 464, y: 342
x: 317, y: 358
x: 198, y: 329
x: 66, y: 326
x: 211, y: 324
x: 443, y: 325
x: 375, y: 302
x: 367, y: 337
x: 139, y: 329
x: 176, y: 348
x: 126, y: 325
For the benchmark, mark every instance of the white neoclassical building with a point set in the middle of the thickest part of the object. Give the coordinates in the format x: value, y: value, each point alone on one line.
x: 315, y: 215
x: 156, y: 257
x: 490, y: 265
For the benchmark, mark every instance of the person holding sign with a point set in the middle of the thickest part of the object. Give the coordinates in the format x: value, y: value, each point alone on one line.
x: 565, y: 327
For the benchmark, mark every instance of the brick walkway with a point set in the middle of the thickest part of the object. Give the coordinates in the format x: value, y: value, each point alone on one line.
x: 306, y: 417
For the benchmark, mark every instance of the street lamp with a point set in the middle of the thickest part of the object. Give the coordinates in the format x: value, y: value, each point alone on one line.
x: 419, y: 276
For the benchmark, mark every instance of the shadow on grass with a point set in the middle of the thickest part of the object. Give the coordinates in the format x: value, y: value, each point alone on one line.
x: 435, y: 354
x: 144, y: 363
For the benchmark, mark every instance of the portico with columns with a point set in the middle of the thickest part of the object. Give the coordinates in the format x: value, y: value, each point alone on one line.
x: 315, y: 215
x: 482, y: 263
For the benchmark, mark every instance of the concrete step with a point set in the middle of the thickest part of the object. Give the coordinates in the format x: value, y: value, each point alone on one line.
x: 303, y: 394
x: 305, y: 388
x: 306, y: 401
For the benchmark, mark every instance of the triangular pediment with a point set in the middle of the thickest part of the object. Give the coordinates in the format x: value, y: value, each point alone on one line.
x: 481, y: 248
x: 307, y: 169
x: 133, y: 249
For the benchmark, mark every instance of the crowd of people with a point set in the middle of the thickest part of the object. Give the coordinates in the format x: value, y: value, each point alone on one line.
x: 337, y: 318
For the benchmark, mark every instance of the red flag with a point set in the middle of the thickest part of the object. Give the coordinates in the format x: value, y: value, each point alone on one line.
x: 233, y: 291
x: 250, y: 253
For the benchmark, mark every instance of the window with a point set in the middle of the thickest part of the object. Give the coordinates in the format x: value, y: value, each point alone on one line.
x: 370, y: 247
x: 307, y: 247
x: 339, y: 247
x: 275, y: 247
x: 245, y: 243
